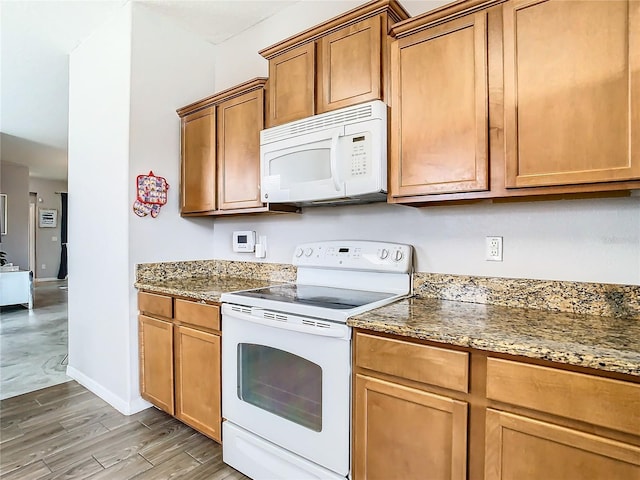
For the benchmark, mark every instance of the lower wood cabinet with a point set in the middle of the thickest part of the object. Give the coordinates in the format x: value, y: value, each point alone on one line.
x: 430, y: 411
x: 403, y: 432
x: 521, y: 448
x: 197, y: 363
x: 156, y: 362
x: 586, y: 427
x: 180, y: 356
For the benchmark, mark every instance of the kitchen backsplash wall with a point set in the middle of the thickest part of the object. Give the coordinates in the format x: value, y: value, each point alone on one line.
x: 607, y: 300
x: 594, y: 240
x: 156, y: 272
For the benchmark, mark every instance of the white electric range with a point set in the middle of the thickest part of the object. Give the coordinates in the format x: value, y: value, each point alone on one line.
x: 286, y: 358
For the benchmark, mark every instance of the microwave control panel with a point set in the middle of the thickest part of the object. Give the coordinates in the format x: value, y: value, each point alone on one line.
x: 359, y: 153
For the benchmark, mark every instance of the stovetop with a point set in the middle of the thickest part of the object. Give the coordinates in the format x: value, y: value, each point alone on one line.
x: 328, y: 275
x: 317, y: 296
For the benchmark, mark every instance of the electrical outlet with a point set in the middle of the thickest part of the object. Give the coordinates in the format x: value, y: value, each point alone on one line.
x: 44, y: 266
x: 493, y: 251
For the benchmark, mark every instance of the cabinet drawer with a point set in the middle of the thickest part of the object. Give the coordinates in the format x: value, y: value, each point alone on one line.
x: 155, y: 304
x: 600, y: 401
x: 422, y: 363
x: 198, y: 314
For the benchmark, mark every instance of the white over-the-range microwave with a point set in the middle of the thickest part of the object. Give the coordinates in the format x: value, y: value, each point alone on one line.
x: 334, y: 157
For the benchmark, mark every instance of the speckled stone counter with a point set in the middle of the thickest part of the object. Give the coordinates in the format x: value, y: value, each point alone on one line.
x: 584, y: 324
x: 202, y: 288
x: 208, y: 279
x: 603, y: 343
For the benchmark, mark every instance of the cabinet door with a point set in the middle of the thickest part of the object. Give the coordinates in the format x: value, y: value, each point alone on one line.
x: 291, y: 87
x: 520, y: 448
x: 401, y: 432
x: 239, y: 123
x: 198, y: 167
x: 572, y: 91
x: 156, y: 362
x: 439, y: 118
x: 198, y: 378
x: 350, y: 70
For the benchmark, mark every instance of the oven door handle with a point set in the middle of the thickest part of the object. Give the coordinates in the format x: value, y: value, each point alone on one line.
x: 337, y: 331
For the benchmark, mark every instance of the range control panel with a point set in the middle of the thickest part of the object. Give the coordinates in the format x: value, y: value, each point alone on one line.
x: 355, y: 255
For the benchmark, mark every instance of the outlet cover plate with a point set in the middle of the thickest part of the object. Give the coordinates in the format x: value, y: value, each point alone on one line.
x: 493, y: 251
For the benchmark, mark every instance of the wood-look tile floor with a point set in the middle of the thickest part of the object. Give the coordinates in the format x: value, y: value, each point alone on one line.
x: 67, y: 432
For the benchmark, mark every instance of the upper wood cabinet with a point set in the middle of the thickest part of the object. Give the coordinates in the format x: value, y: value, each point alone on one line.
x: 343, y: 61
x: 198, y: 167
x: 292, y: 85
x: 440, y: 112
x: 240, y: 120
x: 497, y: 99
x: 572, y: 91
x: 350, y: 65
x: 221, y: 153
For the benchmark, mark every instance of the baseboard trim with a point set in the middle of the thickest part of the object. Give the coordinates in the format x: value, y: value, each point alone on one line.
x: 124, y: 407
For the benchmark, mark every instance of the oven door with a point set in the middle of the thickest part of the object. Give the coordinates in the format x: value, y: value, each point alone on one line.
x: 287, y: 379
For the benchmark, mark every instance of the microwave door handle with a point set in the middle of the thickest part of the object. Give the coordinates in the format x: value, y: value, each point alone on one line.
x: 334, y: 161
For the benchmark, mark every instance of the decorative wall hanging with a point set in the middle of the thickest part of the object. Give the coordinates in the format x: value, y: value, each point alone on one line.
x: 152, y: 195
x: 48, y: 218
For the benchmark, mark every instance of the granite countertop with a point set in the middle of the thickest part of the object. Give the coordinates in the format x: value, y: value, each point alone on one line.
x: 600, y: 342
x: 603, y: 343
x: 202, y: 288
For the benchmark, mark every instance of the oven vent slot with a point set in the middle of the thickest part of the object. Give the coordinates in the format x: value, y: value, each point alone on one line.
x: 311, y: 323
x: 237, y: 308
x: 275, y: 316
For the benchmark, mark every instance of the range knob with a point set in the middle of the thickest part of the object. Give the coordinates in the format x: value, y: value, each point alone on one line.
x: 299, y: 252
x: 308, y: 252
x: 384, y: 253
x: 398, y: 255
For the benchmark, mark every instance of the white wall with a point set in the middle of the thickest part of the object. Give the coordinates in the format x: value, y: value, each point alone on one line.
x: 47, y: 249
x: 582, y: 240
x: 170, y: 68
x: 126, y: 82
x: 98, y: 181
x: 579, y: 240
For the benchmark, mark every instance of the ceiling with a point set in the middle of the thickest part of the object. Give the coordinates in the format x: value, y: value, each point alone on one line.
x: 36, y: 39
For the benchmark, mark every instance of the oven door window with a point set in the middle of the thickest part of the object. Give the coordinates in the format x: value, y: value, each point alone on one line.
x: 281, y: 383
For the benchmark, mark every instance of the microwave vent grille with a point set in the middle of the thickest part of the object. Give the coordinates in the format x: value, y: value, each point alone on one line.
x: 318, y: 122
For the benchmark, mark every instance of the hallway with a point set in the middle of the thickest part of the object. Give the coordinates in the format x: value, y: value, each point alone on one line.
x: 34, y: 344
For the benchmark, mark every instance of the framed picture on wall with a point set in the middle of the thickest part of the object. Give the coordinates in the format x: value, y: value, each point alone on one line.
x: 48, y: 218
x: 3, y: 213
